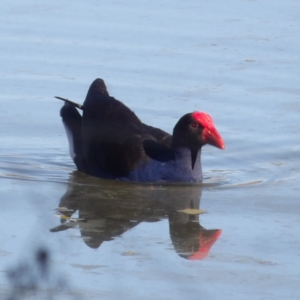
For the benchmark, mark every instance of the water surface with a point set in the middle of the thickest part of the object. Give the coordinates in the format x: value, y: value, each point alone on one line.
x: 239, y: 63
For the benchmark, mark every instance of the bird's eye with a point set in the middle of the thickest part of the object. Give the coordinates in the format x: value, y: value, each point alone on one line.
x: 195, y: 125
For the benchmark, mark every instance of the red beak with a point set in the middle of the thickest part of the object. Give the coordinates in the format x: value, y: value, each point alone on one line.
x: 207, y: 238
x: 212, y: 137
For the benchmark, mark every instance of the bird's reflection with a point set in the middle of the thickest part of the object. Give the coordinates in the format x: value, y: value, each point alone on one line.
x: 107, y: 209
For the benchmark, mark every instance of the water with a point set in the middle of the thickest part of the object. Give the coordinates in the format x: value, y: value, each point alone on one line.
x: 238, y: 62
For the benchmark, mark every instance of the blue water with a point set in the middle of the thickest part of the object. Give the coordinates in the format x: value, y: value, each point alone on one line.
x: 237, y: 61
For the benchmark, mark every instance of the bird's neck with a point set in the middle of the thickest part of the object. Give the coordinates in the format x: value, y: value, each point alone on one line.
x: 185, y: 151
x: 188, y: 156
x: 187, y: 167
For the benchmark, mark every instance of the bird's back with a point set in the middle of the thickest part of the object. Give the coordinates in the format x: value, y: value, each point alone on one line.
x: 113, y: 136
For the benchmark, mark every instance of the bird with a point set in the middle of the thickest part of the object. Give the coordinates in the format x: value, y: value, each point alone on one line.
x: 109, y: 141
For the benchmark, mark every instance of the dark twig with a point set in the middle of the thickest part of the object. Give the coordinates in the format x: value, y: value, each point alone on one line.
x: 70, y: 102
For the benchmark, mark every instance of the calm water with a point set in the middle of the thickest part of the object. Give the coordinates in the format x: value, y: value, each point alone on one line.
x: 240, y: 63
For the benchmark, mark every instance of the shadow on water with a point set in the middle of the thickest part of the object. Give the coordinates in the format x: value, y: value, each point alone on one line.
x: 107, y: 209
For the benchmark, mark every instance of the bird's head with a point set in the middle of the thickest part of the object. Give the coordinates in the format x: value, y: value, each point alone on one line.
x: 195, y: 130
x: 210, y: 134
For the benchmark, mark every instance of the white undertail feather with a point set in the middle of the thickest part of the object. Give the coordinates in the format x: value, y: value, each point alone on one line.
x: 71, y: 141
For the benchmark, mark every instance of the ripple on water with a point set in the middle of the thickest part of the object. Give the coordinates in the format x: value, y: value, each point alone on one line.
x: 35, y: 167
x: 240, y: 178
x: 55, y: 166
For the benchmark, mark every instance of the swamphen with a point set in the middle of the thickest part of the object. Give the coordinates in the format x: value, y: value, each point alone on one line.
x: 109, y: 141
